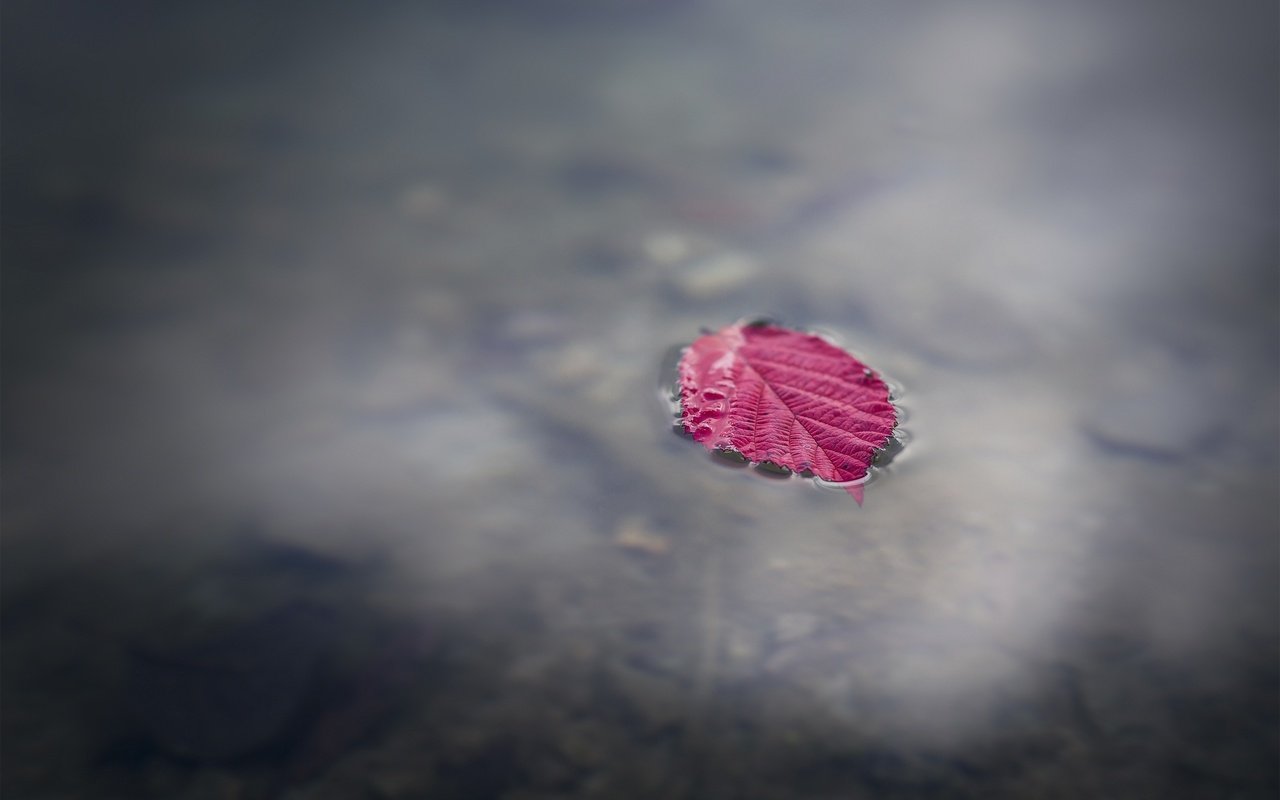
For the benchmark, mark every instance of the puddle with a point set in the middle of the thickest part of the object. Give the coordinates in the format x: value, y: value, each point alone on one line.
x: 410, y: 344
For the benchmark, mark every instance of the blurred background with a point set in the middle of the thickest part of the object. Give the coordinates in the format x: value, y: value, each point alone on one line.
x: 336, y: 453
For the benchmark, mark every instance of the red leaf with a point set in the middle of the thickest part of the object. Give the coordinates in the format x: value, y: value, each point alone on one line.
x: 786, y: 397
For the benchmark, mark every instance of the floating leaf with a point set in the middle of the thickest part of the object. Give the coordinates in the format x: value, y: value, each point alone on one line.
x: 786, y: 398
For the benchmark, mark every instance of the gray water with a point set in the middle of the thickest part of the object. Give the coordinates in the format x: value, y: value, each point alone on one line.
x: 336, y: 463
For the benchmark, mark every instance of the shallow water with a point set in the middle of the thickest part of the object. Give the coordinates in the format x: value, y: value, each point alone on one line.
x: 357, y: 316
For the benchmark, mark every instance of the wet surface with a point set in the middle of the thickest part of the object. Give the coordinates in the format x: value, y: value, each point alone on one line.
x: 356, y: 315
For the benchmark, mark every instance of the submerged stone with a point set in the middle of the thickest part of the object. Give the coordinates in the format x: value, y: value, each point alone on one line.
x: 234, y: 694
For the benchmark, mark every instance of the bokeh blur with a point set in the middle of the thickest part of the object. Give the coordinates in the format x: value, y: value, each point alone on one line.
x: 337, y: 461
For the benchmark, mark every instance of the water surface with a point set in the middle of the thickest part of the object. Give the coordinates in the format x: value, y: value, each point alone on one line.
x: 358, y: 314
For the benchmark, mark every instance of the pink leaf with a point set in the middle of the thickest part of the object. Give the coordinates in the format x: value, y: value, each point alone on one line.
x: 787, y: 397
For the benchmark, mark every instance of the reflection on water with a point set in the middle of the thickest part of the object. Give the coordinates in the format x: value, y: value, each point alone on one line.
x: 332, y: 461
